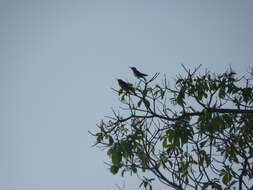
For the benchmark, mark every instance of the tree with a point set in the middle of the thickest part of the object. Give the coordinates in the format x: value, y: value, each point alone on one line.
x: 197, y: 134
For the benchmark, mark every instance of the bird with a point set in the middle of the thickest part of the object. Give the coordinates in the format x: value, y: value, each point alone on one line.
x: 137, y: 73
x: 124, y: 85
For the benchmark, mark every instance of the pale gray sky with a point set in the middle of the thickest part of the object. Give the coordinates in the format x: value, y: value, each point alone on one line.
x: 59, y: 59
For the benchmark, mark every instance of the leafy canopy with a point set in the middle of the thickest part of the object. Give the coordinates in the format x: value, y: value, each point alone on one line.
x: 197, y: 134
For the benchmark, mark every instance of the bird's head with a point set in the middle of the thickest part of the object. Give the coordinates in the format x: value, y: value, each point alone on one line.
x: 119, y: 80
x: 133, y: 68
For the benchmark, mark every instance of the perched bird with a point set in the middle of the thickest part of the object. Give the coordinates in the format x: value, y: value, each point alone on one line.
x: 137, y: 73
x: 124, y: 85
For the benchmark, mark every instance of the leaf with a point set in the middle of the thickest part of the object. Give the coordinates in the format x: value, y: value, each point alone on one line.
x: 139, y: 103
x: 111, y: 140
x: 109, y: 152
x: 226, y: 178
x: 146, y: 102
x: 194, y: 162
x: 134, y: 169
x: 162, y: 92
x: 222, y: 93
x: 207, y: 159
x: 165, y: 144
x: 99, y: 137
x: 202, y: 144
x: 123, y: 172
x: 145, y: 92
x: 122, y: 98
x: 114, y: 169
x: 180, y: 97
x: 116, y: 157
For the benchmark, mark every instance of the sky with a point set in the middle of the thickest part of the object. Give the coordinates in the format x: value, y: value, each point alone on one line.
x: 59, y: 61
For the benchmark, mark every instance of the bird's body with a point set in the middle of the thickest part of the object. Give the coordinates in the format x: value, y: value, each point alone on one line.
x: 137, y: 73
x: 124, y: 85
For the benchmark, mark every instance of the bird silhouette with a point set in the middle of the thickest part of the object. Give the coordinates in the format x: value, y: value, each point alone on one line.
x: 137, y: 73
x: 124, y: 85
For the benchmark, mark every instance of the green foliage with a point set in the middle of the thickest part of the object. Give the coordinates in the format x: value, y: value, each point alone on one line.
x: 197, y: 134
